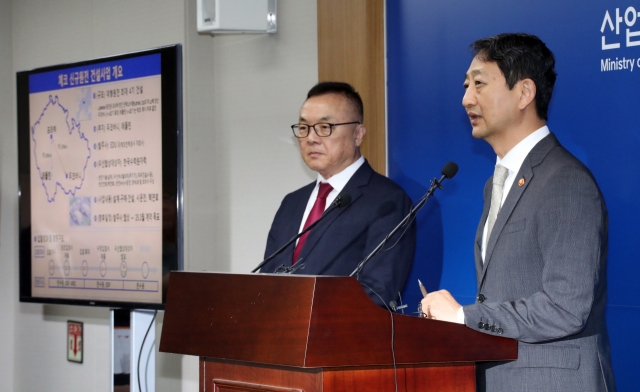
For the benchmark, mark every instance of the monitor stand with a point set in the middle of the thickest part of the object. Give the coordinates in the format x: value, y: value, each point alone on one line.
x: 131, y: 353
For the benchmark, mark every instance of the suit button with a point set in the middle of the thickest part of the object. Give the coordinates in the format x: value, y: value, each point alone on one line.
x: 499, y: 331
x: 481, y: 298
x: 487, y: 327
x: 493, y: 328
x: 481, y: 325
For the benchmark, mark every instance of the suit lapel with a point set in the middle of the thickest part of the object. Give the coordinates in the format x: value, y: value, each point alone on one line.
x: 360, y: 178
x: 533, y: 159
x: 510, y: 203
x: 477, y: 251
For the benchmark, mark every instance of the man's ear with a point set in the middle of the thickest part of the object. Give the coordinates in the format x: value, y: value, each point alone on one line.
x: 361, y: 130
x: 527, y: 93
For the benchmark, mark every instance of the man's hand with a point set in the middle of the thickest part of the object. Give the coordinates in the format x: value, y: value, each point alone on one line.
x: 440, y: 305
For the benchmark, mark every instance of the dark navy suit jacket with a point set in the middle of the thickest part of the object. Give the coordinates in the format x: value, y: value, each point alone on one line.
x: 346, y: 236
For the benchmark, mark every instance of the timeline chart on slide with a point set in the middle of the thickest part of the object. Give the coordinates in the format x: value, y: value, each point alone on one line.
x: 96, y: 181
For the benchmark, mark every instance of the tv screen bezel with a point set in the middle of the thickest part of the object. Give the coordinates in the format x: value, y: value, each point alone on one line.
x: 172, y: 176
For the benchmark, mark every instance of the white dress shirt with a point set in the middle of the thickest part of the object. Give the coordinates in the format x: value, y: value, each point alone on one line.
x: 337, y: 182
x: 513, y: 161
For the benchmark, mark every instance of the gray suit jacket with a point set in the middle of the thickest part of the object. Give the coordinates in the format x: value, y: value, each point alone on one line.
x: 544, y: 279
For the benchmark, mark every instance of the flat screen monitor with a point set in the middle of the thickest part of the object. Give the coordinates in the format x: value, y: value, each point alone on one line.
x: 100, y: 177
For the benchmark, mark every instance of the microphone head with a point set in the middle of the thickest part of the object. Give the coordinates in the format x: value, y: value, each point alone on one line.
x: 343, y: 200
x: 449, y: 170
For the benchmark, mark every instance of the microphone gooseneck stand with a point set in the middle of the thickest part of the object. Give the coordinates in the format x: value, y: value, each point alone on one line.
x: 449, y: 170
x: 341, y: 201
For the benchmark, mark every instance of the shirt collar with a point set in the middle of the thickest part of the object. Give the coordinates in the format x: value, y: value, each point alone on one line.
x: 338, y: 181
x: 514, y: 158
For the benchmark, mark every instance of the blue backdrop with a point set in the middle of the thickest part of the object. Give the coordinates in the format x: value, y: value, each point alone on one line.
x: 593, y: 112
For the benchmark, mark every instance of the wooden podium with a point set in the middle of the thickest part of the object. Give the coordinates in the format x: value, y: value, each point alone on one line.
x: 314, y: 333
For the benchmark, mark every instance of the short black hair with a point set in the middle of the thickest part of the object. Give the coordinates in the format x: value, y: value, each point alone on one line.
x: 521, y: 56
x: 340, y: 88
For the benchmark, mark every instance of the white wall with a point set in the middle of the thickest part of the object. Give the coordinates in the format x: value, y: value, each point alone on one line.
x: 245, y: 91
x: 8, y: 216
x: 241, y: 93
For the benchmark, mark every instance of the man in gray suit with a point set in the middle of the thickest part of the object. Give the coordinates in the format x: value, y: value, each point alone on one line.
x: 541, y: 245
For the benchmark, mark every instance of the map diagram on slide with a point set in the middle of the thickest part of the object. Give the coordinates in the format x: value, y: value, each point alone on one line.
x: 60, y: 148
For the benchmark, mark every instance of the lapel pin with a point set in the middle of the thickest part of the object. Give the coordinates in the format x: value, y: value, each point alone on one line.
x: 521, y: 182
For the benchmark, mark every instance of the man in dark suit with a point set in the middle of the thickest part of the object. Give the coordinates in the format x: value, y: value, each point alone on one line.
x: 330, y: 131
x: 541, y: 245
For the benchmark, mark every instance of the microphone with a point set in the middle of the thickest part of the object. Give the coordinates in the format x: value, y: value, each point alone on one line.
x: 341, y: 201
x: 448, y: 171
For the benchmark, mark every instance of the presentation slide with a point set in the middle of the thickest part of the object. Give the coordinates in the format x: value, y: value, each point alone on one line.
x: 96, y: 181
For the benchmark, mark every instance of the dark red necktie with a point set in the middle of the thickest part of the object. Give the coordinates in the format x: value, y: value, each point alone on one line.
x: 314, y: 215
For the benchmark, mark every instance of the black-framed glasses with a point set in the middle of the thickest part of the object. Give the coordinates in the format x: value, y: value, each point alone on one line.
x: 321, y: 129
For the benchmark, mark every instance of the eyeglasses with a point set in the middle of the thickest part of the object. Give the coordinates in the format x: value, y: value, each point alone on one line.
x: 322, y: 129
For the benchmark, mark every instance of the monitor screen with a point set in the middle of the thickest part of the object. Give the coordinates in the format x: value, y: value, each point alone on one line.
x: 99, y: 150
